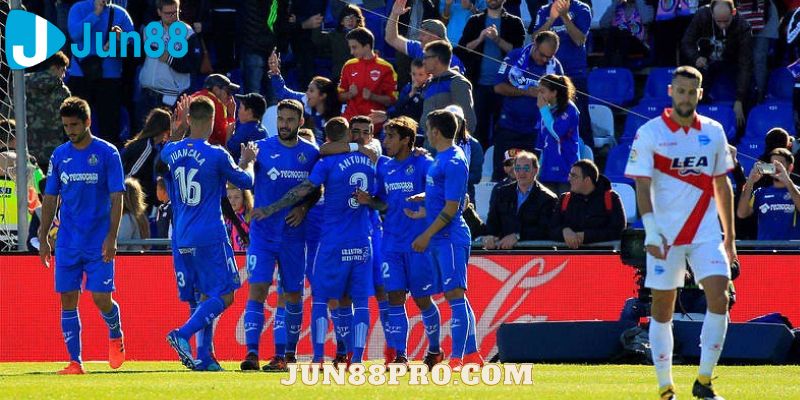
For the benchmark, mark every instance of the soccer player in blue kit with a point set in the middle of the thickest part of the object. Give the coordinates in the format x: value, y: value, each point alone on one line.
x: 344, y: 260
x: 406, y: 270
x: 86, y: 174
x: 199, y: 172
x: 284, y: 161
x: 447, y: 237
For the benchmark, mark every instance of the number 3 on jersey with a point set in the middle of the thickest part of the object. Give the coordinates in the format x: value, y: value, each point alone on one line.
x: 358, y: 179
x: 190, y: 190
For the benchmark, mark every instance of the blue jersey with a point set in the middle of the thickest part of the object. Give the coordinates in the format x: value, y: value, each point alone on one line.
x: 199, y: 172
x: 314, y: 220
x: 278, y: 169
x: 346, y: 221
x: 571, y: 55
x: 396, y: 181
x: 777, y: 215
x: 521, y: 114
x: 562, y: 149
x: 447, y: 181
x: 85, y: 180
x: 245, y: 132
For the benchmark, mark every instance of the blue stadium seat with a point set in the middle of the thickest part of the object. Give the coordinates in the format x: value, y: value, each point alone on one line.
x: 723, y: 89
x: 781, y: 86
x: 124, y: 124
x: 722, y: 113
x: 615, y: 163
x: 650, y: 109
x: 658, y: 80
x: 764, y: 117
x: 614, y: 85
x: 748, y: 152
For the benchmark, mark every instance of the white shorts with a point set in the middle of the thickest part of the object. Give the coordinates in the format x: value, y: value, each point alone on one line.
x: 706, y: 259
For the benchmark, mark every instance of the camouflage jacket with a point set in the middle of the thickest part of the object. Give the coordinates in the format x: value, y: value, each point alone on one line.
x: 45, y: 93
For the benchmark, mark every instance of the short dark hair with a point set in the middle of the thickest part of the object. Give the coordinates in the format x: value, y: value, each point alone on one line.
x: 161, y: 3
x: 360, y: 119
x: 444, y: 121
x: 291, y: 104
x: 75, y: 107
x: 441, y: 49
x: 201, y: 109
x: 687, y: 71
x: 777, y: 138
x: 417, y: 62
x: 405, y: 127
x: 588, y: 169
x: 59, y: 59
x: 363, y: 36
x: 785, y: 153
x: 336, y: 128
x: 546, y: 36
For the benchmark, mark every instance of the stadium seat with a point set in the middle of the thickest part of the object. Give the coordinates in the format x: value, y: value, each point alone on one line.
x: 723, y: 89
x: 483, y: 194
x: 614, y: 85
x: 723, y: 114
x: 781, y: 86
x: 628, y: 196
x: 270, y: 120
x: 658, y: 80
x: 764, y: 117
x: 587, y: 153
x: 599, y: 8
x: 748, y: 152
x: 124, y: 125
x: 615, y: 163
x: 488, y: 164
x: 649, y: 109
x: 602, y: 125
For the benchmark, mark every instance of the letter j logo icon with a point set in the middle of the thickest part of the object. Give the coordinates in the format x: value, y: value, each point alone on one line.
x: 30, y: 39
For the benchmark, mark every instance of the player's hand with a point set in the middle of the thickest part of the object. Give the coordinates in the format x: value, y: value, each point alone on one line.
x: 362, y: 197
x: 378, y: 116
x: 739, y: 111
x: 366, y: 94
x: 730, y: 250
x: 419, y: 214
x: 421, y: 243
x: 109, y: 249
x: 261, y: 213
x: 369, y: 153
x: 180, y: 118
x: 508, y: 242
x: 489, y: 242
x: 658, y: 251
x: 44, y: 250
x: 399, y: 8
x: 249, y: 153
x: 296, y: 216
x: 417, y: 198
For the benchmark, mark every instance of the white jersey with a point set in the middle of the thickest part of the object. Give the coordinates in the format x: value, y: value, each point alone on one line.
x: 682, y: 163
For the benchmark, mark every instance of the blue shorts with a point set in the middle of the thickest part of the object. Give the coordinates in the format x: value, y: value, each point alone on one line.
x: 71, y: 264
x: 410, y: 271
x: 214, y: 268
x: 291, y: 260
x: 451, y: 262
x: 184, y: 277
x: 344, y: 269
x: 378, y: 273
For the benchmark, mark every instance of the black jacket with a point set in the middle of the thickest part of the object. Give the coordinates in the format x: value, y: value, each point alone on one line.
x: 138, y: 161
x: 253, y: 33
x: 588, y: 214
x: 511, y: 30
x: 532, y: 219
x: 429, y: 11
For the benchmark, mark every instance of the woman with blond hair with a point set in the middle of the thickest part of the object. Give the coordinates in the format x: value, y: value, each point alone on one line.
x: 242, y: 204
x: 134, y: 224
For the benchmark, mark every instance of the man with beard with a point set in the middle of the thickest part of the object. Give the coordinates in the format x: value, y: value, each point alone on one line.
x: 677, y: 159
x: 283, y: 162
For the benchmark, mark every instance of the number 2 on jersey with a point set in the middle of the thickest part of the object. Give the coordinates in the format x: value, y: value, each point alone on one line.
x: 190, y: 190
x: 358, y: 179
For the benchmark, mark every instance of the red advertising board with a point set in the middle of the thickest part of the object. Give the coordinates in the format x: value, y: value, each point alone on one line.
x: 502, y: 288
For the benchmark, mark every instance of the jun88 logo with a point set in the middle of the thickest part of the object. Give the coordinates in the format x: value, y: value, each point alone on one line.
x: 31, y: 39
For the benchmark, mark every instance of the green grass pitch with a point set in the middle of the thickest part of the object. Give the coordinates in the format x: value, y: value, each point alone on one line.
x: 168, y: 380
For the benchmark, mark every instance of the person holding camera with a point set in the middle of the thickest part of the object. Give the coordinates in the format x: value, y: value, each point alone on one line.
x: 775, y: 205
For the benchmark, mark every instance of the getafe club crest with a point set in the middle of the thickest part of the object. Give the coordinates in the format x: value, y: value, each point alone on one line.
x: 410, y: 170
x: 302, y: 158
x: 93, y: 159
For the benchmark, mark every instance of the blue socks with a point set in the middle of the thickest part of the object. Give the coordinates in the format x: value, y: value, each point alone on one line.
x: 432, y: 321
x: 253, y: 325
x: 360, y: 327
x: 319, y: 329
x: 383, y: 307
x: 459, y: 326
x: 398, y: 320
x: 294, y: 322
x: 279, y: 331
x: 71, y: 327
x: 113, y: 322
x: 346, y: 326
x: 205, y: 314
x: 472, y: 343
x: 205, y: 342
x: 341, y: 349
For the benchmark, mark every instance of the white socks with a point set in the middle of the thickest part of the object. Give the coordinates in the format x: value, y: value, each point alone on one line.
x: 712, y: 338
x: 661, y: 344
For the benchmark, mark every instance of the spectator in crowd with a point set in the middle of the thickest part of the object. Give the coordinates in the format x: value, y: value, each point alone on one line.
x: 45, y: 91
x: 134, y: 224
x: 95, y: 79
x: 320, y: 101
x: 626, y: 23
x: 368, y: 81
x: 306, y: 16
x: 447, y: 87
x: 559, y: 137
x: 414, y: 21
x: 764, y: 20
x: 570, y: 20
x: 776, y: 204
x: 248, y: 124
x: 412, y: 96
x: 220, y: 90
x: 671, y: 20
x: 141, y: 152
x: 521, y: 210
x: 259, y: 33
x: 590, y: 212
x: 215, y: 19
x: 455, y: 14
x: 164, y: 211
x: 471, y: 147
x: 746, y: 228
x: 719, y: 43
x: 492, y: 34
x: 517, y: 83
x: 334, y: 42
x: 36, y: 220
x: 165, y: 78
x: 242, y: 203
